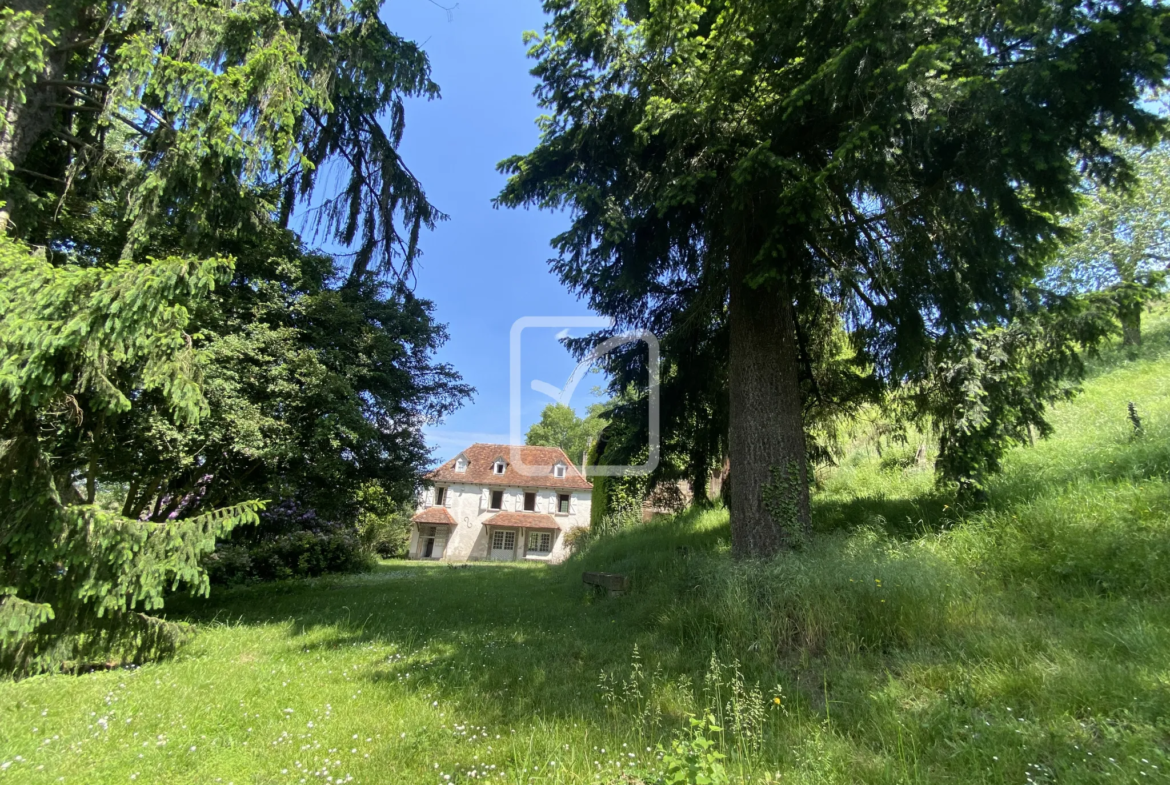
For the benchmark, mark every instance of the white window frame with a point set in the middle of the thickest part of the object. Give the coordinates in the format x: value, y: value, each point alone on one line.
x: 499, y: 467
x: 535, y: 501
x: 559, y: 471
x: 492, y: 498
x: 440, y: 496
x: 461, y: 464
x: 538, y: 536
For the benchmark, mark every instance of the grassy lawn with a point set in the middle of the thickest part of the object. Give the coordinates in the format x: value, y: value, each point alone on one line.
x: 1027, y: 642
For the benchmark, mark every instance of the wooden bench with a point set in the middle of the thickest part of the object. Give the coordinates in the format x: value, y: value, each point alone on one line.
x: 616, y: 585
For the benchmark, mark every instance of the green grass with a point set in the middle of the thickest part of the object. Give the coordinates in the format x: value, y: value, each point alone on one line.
x: 910, y: 642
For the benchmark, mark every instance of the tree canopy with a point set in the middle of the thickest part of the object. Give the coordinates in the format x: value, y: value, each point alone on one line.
x: 1121, y: 238
x: 560, y: 426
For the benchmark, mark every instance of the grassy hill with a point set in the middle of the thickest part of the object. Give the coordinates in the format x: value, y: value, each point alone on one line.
x: 911, y: 641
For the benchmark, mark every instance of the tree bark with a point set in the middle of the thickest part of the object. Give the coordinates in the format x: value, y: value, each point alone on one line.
x: 1130, y: 316
x: 771, y: 507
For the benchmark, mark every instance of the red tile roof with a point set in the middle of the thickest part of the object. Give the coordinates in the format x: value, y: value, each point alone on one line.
x: 434, y: 515
x: 523, y: 520
x: 538, y: 461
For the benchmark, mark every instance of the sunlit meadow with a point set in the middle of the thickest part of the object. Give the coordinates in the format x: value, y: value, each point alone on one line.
x: 910, y: 642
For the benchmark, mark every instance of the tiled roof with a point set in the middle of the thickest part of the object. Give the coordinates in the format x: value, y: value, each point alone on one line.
x: 523, y: 520
x: 434, y: 515
x: 539, y: 463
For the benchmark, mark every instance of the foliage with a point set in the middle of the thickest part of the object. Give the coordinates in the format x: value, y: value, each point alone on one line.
x: 77, y: 345
x: 616, y: 501
x: 560, y: 426
x: 290, y: 541
x: 693, y: 758
x: 283, y: 347
x: 383, y: 525
x: 1121, y: 233
x: 900, y: 169
x: 185, y: 97
x: 993, y: 389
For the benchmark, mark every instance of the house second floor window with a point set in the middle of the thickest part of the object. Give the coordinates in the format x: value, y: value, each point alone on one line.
x: 498, y: 467
x: 440, y: 496
x: 497, y: 500
x: 530, y: 502
x: 563, y: 503
x: 559, y: 470
x: 539, y: 543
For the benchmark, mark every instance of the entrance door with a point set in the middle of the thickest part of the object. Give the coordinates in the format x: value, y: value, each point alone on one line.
x: 503, y: 545
x: 433, y: 542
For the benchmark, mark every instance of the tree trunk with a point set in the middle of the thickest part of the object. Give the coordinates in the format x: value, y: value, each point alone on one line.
x: 25, y: 121
x: 1130, y: 316
x: 700, y: 479
x: 771, y: 507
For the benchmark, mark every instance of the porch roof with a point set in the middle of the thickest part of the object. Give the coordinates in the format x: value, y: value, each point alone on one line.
x: 523, y: 520
x: 434, y: 515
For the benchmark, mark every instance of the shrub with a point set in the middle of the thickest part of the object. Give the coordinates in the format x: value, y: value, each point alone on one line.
x: 384, y: 528
x: 291, y: 541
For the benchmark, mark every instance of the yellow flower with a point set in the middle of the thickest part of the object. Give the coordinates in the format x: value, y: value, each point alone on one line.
x: 776, y: 700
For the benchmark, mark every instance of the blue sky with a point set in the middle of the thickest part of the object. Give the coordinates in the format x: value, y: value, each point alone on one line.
x: 484, y: 268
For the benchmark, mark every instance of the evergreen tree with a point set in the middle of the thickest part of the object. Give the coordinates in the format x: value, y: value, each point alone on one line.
x: 168, y: 349
x: 901, y: 164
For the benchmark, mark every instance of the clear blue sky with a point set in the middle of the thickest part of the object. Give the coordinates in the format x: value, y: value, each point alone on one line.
x: 484, y: 268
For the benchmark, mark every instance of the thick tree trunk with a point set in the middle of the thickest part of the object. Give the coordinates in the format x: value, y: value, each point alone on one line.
x: 1130, y: 316
x: 770, y: 512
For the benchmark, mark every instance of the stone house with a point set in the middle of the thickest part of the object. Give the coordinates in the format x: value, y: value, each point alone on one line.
x: 479, y: 506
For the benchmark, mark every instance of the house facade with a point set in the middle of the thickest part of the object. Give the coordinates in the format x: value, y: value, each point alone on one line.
x: 478, y: 506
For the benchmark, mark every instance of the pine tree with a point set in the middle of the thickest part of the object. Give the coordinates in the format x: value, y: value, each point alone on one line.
x: 901, y: 164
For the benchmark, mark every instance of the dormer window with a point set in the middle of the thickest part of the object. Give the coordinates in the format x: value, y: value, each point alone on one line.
x: 559, y: 471
x: 498, y: 467
x: 460, y: 464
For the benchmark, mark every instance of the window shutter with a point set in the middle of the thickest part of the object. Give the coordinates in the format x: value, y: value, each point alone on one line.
x: 573, y: 504
x: 484, y: 498
x: 430, y: 496
x: 510, y: 501
x: 447, y: 496
x: 540, y: 502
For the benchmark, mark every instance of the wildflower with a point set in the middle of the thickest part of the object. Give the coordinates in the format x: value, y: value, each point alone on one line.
x: 775, y: 700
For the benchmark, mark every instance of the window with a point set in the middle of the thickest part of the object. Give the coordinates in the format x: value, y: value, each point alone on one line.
x: 461, y: 465
x: 503, y: 540
x: 563, y: 503
x: 539, y: 543
x: 440, y: 496
x: 497, y: 500
x: 559, y: 470
x: 530, y: 502
x: 498, y: 467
